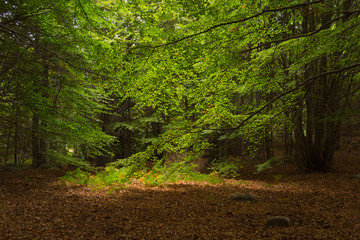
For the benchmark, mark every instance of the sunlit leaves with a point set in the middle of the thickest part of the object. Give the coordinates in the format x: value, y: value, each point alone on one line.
x: 204, y: 65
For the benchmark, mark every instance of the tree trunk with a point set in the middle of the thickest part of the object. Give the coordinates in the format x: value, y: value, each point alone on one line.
x: 315, y: 149
x: 36, y: 154
x: 6, y: 158
x: 288, y: 140
x: 299, y: 143
x: 16, y: 135
x: 39, y: 146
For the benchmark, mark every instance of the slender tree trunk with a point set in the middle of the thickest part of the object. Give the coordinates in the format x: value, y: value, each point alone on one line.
x: 6, y: 158
x: 288, y: 139
x: 39, y: 145
x: 17, y: 123
x: 288, y: 126
x: 268, y: 143
x: 299, y: 143
x: 36, y: 155
x: 16, y: 134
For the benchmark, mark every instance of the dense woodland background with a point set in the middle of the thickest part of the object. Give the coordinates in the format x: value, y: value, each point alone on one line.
x: 179, y: 119
x: 152, y: 84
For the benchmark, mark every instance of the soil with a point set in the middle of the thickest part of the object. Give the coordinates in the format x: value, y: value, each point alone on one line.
x: 35, y: 204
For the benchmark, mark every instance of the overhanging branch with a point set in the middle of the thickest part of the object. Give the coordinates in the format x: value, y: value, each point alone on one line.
x: 46, y: 51
x: 238, y: 21
x: 286, y: 93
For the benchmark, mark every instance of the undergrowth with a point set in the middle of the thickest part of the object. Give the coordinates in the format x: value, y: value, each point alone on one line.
x: 160, y: 174
x: 229, y: 168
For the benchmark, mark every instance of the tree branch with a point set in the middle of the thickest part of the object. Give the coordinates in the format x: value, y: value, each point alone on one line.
x: 237, y: 21
x: 286, y: 93
x: 23, y: 17
x: 43, y: 50
x: 86, y: 16
x: 292, y: 37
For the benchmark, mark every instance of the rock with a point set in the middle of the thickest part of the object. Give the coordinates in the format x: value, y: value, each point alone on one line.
x: 244, y: 197
x: 356, y: 176
x: 279, y: 221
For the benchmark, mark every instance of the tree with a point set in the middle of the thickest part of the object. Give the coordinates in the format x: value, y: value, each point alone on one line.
x: 45, y: 50
x: 216, y: 68
x: 177, y: 77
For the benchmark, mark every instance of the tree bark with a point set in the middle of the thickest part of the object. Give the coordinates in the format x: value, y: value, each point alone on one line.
x: 39, y: 146
x: 36, y: 157
x: 315, y: 148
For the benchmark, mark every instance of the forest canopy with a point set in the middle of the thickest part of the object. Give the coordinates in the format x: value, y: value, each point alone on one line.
x: 135, y: 84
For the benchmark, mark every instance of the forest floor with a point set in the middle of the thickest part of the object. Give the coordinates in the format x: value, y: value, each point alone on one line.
x: 34, y: 204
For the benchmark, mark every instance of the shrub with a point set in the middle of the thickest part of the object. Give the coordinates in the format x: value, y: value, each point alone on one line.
x: 266, y: 165
x: 161, y: 175
x: 228, y: 168
x: 77, y: 176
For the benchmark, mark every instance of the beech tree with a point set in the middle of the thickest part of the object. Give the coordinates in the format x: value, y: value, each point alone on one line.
x: 47, y: 101
x: 186, y: 78
x: 212, y: 70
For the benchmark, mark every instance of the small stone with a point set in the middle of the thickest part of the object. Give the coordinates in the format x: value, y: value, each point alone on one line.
x: 356, y: 176
x: 244, y: 197
x: 279, y: 221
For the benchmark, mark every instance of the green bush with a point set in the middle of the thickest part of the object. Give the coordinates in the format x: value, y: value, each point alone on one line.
x: 228, y: 168
x: 161, y: 175
x: 77, y: 176
x: 266, y: 165
x: 109, y: 176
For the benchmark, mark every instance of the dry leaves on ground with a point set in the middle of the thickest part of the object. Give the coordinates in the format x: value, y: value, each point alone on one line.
x: 35, y: 205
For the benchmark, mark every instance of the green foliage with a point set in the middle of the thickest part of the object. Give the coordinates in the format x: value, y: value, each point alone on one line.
x: 134, y: 165
x: 77, y: 176
x: 159, y: 175
x: 266, y: 165
x: 110, y: 176
x: 51, y: 94
x: 178, y: 171
x: 137, y: 79
x: 229, y: 168
x: 67, y: 159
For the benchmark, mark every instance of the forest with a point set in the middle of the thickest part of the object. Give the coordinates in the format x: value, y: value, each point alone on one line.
x: 179, y: 119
